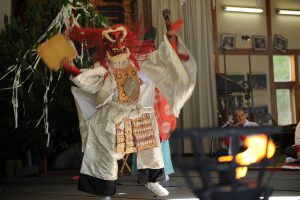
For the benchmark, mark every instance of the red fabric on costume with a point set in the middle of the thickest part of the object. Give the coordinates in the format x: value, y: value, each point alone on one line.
x: 72, y: 69
x: 92, y: 37
x: 175, y: 27
x: 166, y: 121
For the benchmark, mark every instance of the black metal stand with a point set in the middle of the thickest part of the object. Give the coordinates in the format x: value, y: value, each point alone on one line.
x: 227, y: 187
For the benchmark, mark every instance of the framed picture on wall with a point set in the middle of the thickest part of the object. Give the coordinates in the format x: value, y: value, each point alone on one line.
x: 258, y: 81
x: 261, y: 114
x: 259, y: 42
x: 227, y: 41
x: 280, y: 43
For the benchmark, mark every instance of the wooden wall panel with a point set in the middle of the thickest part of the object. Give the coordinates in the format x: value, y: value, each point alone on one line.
x: 118, y: 11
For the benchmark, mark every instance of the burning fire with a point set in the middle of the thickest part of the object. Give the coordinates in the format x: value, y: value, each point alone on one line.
x: 255, y: 152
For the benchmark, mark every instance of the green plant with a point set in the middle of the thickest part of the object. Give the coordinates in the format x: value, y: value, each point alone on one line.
x: 43, y: 99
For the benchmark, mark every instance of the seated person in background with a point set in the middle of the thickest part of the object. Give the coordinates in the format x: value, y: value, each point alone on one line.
x: 293, y: 152
x: 240, y: 119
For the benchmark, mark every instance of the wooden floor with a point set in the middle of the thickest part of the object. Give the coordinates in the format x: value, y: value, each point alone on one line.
x: 60, y: 185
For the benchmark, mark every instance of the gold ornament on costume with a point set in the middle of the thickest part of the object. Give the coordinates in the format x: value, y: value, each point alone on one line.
x: 136, y: 135
x: 128, y: 84
x: 143, y: 133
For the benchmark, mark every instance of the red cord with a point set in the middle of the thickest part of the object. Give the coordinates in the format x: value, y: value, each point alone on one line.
x: 73, y: 69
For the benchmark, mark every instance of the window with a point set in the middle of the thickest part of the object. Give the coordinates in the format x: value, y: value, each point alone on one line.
x: 282, y: 69
x: 284, y: 110
x: 284, y: 84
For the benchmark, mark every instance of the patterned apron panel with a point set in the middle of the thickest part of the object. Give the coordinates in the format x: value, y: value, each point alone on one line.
x: 136, y: 135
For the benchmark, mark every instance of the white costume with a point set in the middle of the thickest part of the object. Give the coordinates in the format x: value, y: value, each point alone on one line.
x: 99, y: 111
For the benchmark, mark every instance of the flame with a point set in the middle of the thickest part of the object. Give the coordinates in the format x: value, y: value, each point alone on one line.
x: 255, y: 152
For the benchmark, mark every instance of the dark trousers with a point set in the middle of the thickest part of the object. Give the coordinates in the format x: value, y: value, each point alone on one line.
x: 291, y: 152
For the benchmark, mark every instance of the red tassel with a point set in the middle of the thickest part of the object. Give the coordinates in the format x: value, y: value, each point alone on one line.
x: 183, y: 57
x: 105, y: 75
x: 73, y: 69
x: 176, y: 26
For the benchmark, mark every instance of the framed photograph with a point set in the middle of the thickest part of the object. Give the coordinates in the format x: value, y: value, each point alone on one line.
x: 259, y: 43
x: 258, y: 81
x: 228, y: 41
x: 280, y: 43
x: 233, y: 83
x: 261, y: 114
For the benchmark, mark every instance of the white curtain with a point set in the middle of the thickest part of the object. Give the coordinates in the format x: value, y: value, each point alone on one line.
x: 157, y: 18
x: 201, y: 109
x: 5, y: 9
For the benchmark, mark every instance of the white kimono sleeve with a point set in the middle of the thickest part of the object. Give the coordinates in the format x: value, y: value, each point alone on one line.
x: 90, y: 80
x: 92, y: 92
x: 176, y: 79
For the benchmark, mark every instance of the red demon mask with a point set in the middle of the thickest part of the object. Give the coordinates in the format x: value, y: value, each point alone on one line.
x: 114, y: 41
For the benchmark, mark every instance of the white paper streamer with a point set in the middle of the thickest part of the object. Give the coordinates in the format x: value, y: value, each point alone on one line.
x: 15, y: 96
